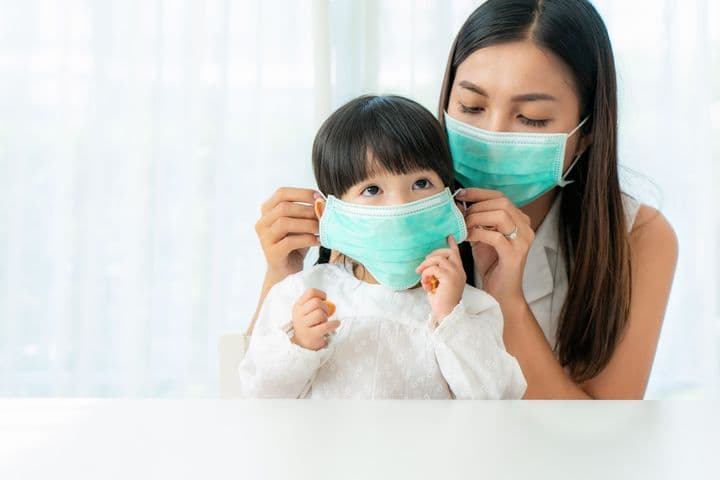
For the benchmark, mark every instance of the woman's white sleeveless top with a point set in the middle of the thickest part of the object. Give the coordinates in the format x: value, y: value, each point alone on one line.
x: 545, y: 283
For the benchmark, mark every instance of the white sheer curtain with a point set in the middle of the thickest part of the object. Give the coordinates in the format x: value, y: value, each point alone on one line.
x: 139, y: 138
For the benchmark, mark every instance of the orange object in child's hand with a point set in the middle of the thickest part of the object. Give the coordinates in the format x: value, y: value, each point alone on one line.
x: 434, y: 282
x: 331, y: 307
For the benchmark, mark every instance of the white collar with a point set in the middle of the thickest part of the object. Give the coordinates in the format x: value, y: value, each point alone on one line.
x: 538, y: 276
x: 547, y: 233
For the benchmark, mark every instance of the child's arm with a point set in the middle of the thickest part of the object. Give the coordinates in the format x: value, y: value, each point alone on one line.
x: 276, y: 365
x: 470, y: 351
x: 468, y: 328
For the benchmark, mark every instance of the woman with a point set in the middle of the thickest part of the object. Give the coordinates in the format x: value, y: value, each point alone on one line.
x: 582, y: 271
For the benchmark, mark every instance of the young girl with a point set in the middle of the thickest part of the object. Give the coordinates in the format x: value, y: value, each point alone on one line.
x: 390, y: 315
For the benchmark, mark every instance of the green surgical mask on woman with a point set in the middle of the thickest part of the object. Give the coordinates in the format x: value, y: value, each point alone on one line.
x: 523, y: 166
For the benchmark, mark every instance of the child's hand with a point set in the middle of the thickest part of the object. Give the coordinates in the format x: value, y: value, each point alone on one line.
x: 443, y: 277
x: 310, y: 320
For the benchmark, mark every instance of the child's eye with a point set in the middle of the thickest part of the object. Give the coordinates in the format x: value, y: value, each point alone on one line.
x: 422, y: 184
x: 370, y: 191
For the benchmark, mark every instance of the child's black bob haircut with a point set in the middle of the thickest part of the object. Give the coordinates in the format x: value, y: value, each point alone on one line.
x: 374, y: 133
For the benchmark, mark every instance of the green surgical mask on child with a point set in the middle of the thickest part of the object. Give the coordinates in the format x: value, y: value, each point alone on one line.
x: 392, y: 241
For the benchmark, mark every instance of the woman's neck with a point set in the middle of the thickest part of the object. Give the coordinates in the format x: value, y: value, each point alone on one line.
x: 538, y: 209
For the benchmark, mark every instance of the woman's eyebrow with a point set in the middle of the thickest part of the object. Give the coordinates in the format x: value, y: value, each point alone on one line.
x: 533, y: 97
x: 526, y: 97
x: 473, y: 88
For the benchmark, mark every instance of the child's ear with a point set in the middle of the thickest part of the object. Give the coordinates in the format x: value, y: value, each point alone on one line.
x: 319, y: 208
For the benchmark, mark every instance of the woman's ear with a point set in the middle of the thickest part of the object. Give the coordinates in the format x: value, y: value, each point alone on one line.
x: 583, y: 144
x: 319, y: 208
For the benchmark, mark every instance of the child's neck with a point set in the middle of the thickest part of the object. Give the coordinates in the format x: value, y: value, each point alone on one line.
x: 359, y: 271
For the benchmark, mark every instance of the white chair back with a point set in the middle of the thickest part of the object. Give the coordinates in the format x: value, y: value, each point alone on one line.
x: 231, y: 350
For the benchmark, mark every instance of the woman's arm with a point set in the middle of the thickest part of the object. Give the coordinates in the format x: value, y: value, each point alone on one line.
x: 654, y: 251
x: 653, y: 247
x: 286, y: 229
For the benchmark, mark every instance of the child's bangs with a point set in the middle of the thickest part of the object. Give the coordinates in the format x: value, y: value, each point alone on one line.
x: 372, y: 136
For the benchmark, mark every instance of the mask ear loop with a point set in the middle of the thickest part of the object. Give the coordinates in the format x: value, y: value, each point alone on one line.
x: 462, y: 201
x: 324, y: 197
x: 584, y: 121
x: 563, y: 181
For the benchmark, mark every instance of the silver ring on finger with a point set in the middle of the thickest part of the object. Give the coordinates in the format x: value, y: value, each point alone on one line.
x: 512, y: 235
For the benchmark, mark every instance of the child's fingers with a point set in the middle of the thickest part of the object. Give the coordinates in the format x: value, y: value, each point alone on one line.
x: 314, y: 303
x: 445, y: 252
x: 314, y: 318
x: 453, y: 245
x: 428, y: 274
x: 455, y: 255
x: 451, y: 255
x: 445, y: 264
x: 439, y: 261
x: 429, y: 261
x: 325, y: 328
x: 312, y: 293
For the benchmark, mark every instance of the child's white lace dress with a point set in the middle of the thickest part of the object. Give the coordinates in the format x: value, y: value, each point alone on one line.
x: 386, y: 346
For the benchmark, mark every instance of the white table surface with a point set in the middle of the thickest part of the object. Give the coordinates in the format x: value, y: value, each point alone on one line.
x: 204, y: 439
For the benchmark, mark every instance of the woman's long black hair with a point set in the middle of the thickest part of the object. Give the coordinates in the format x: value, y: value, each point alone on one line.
x: 592, y: 218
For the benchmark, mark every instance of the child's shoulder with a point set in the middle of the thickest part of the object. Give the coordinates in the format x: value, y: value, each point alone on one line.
x: 315, y: 276
x: 323, y: 274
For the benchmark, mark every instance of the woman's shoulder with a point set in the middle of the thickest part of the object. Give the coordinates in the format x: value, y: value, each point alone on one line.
x: 652, y: 224
x: 631, y: 206
x: 320, y: 276
x: 325, y: 276
x: 642, y: 217
x: 323, y: 271
x: 649, y: 230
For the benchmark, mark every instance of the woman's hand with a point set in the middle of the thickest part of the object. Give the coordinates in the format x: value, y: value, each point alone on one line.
x: 286, y: 230
x: 310, y: 320
x: 443, y: 277
x: 500, y: 260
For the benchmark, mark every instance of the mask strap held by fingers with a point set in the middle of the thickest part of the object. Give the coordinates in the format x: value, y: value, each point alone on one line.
x: 462, y: 201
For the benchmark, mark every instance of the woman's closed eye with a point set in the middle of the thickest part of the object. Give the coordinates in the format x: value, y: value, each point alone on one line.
x: 470, y: 109
x: 530, y: 122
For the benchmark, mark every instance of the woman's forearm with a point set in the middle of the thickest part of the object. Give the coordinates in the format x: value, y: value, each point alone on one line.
x: 526, y: 342
x: 268, y: 282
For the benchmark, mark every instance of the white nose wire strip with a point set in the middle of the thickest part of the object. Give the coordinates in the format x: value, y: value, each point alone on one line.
x: 456, y: 192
